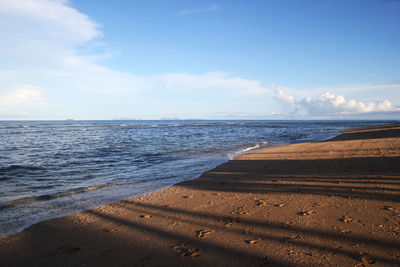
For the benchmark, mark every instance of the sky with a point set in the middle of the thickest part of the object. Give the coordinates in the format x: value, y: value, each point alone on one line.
x: 268, y: 59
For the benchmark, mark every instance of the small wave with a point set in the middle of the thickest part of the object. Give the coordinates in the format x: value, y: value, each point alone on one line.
x: 28, y: 200
x: 15, y: 126
x: 123, y: 125
x: 260, y: 145
x: 249, y: 148
x: 152, y: 156
x: 13, y: 168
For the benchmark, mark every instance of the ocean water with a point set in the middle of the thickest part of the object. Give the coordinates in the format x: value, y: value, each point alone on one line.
x: 54, y: 168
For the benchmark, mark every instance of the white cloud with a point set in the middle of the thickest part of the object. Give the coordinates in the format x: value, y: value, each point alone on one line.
x: 199, y: 10
x: 57, y: 21
x: 281, y: 95
x: 24, y: 95
x: 328, y: 104
x: 211, y: 81
x: 331, y: 104
x: 44, y: 39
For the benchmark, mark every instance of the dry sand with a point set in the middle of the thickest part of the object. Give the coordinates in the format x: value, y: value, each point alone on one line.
x: 330, y: 203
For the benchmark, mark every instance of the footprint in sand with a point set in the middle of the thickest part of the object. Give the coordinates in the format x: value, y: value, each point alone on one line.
x: 252, y: 242
x: 190, y: 197
x: 241, y: 211
x: 228, y: 221
x: 182, y: 250
x: 144, y: 216
x: 345, y: 231
x: 248, y: 230
x: 366, y: 259
x: 68, y: 250
x: 280, y: 205
x: 203, y: 233
x: 261, y: 203
x: 389, y: 208
x: 346, y: 219
x: 113, y: 230
x: 304, y: 213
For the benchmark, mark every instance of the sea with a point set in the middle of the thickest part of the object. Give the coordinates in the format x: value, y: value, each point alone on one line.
x: 50, y: 169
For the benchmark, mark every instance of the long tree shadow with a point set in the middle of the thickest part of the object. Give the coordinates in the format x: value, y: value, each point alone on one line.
x: 172, y: 236
x: 373, y: 132
x: 217, y: 219
x: 214, y: 222
x: 315, y: 177
x: 270, y: 231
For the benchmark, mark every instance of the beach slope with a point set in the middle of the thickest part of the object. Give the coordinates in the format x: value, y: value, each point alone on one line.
x: 329, y: 203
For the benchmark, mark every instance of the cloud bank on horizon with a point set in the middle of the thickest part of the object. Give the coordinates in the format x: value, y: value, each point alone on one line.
x: 56, y: 68
x: 329, y: 104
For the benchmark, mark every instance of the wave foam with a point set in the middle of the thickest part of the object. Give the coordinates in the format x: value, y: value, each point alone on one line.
x: 260, y: 145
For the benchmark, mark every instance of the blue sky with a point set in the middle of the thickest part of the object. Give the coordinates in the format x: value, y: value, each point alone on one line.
x: 199, y: 59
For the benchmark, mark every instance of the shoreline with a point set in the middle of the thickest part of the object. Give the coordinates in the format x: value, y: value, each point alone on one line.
x: 230, y: 156
x: 269, y: 206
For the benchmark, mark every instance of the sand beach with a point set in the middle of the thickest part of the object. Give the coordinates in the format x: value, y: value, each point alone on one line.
x: 327, y: 203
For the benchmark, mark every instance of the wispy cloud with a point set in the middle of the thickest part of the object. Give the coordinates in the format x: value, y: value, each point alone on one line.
x: 41, y: 42
x: 211, y: 82
x: 24, y: 95
x: 198, y: 10
x: 40, y: 39
x: 50, y: 16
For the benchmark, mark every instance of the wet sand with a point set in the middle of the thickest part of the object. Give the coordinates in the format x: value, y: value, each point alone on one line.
x: 330, y: 203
